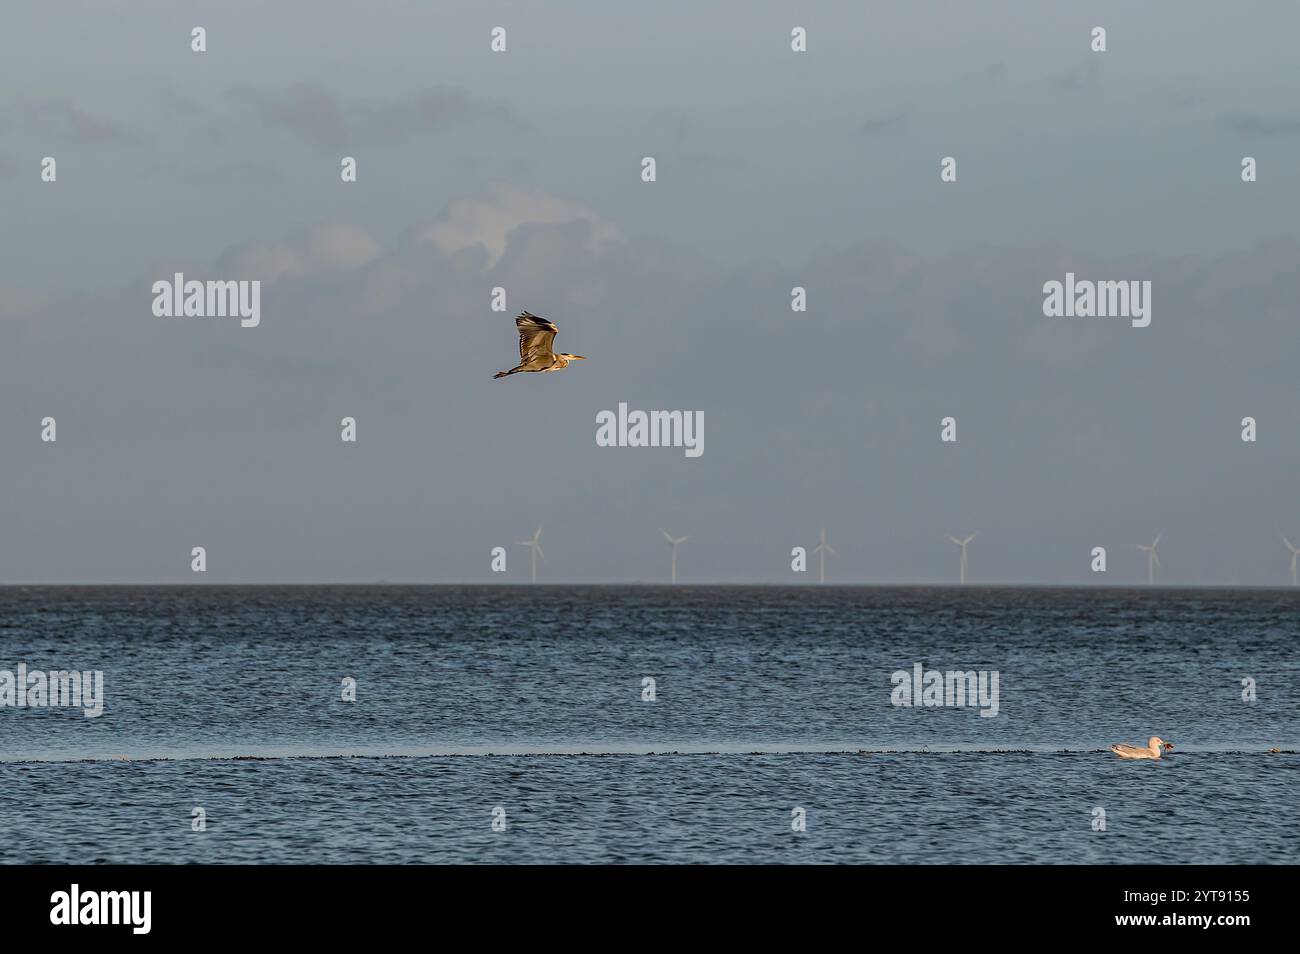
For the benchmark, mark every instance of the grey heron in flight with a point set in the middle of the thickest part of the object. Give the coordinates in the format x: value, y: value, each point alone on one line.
x: 536, y: 338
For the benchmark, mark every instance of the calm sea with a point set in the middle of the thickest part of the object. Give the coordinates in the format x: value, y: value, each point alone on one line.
x: 527, y: 707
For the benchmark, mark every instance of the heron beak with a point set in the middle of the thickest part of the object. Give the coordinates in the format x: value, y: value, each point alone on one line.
x: 577, y: 357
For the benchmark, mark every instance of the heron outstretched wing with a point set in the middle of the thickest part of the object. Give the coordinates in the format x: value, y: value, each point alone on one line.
x: 536, y: 337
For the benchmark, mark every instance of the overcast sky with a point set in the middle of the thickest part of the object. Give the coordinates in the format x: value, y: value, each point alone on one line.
x: 522, y: 170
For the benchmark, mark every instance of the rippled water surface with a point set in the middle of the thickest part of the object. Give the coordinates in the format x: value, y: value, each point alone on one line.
x: 768, y: 695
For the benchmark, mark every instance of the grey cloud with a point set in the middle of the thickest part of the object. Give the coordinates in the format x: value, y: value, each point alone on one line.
x: 1081, y: 78
x: 682, y: 147
x: 67, y: 123
x: 884, y: 123
x: 180, y: 104
x: 205, y: 171
x: 1258, y: 125
x: 306, y: 110
x: 434, y: 110
x: 1183, y: 98
x: 316, y: 115
x: 992, y: 74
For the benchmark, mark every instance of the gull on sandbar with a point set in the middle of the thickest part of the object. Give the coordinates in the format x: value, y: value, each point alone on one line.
x: 1154, y: 748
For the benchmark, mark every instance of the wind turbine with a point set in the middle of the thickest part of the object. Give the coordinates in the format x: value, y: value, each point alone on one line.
x: 1295, y: 552
x: 821, y: 550
x: 1153, y: 560
x: 536, y: 549
x: 674, y: 542
x: 962, y: 544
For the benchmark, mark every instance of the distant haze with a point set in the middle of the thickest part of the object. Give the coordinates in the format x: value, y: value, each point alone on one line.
x: 774, y: 170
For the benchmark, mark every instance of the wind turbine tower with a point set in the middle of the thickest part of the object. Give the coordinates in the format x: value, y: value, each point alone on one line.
x: 821, y: 550
x: 1153, y: 561
x: 536, y: 549
x: 963, y: 544
x: 674, y: 542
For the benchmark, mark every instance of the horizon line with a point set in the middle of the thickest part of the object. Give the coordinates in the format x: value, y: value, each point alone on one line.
x: 667, y: 585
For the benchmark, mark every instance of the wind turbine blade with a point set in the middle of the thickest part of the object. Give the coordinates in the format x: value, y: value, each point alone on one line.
x: 540, y: 554
x: 681, y: 539
x: 954, y: 540
x: 667, y: 536
x: 1156, y: 542
x: 1288, y: 545
x: 1155, y: 557
x: 538, y: 535
x: 831, y: 551
x: 970, y: 538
